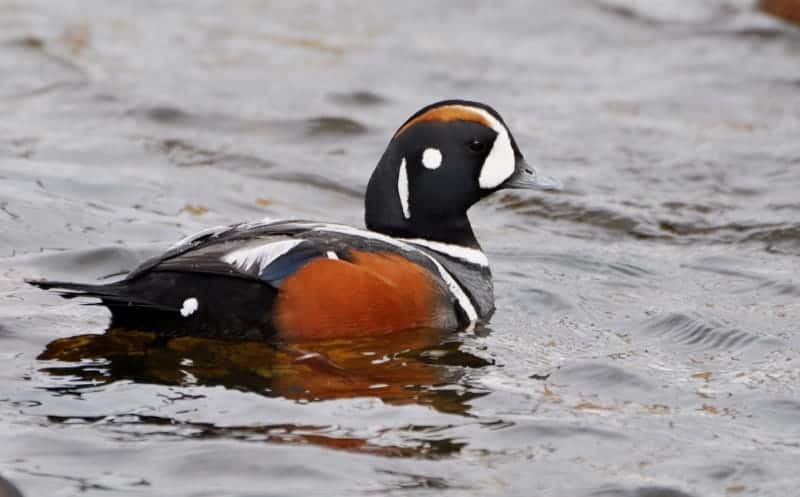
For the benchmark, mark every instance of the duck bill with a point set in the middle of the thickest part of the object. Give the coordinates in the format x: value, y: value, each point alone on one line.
x: 525, y: 177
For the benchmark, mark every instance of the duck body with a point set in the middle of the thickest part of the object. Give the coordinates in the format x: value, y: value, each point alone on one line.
x: 298, y: 280
x: 418, y: 263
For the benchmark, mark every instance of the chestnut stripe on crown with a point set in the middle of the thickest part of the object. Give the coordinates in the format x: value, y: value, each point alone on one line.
x: 448, y: 113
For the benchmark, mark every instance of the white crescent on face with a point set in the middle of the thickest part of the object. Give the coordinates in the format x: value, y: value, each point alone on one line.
x: 500, y: 162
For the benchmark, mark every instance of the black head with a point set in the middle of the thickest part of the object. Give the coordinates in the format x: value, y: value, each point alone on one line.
x: 440, y: 162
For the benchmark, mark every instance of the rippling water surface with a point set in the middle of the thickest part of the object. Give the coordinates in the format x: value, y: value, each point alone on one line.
x: 646, y: 341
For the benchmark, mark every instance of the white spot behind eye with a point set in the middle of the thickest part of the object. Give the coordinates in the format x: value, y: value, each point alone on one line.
x: 189, y: 307
x: 431, y: 158
x: 402, y: 188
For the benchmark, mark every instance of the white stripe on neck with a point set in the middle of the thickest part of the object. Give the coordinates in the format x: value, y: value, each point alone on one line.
x: 402, y: 188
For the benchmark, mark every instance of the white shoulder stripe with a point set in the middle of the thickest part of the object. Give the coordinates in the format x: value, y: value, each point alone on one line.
x: 263, y: 255
x: 455, y: 288
x: 467, y: 254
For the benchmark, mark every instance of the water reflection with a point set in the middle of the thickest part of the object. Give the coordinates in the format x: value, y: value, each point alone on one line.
x: 7, y: 489
x: 416, y: 367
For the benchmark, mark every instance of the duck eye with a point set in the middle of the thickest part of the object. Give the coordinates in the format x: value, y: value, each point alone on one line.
x: 476, y: 146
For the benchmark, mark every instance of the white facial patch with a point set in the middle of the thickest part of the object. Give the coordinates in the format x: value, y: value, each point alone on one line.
x: 402, y: 189
x: 431, y: 158
x: 499, y: 164
x: 189, y: 307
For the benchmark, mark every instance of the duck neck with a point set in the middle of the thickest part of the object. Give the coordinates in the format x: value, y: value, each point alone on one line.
x: 384, y: 213
x: 455, y: 231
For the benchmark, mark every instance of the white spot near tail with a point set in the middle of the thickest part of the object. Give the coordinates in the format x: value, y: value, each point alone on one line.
x: 330, y: 254
x: 190, y: 305
x: 402, y: 188
x: 432, y: 158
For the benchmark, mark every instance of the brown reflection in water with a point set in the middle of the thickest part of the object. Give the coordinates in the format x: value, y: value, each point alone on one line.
x: 415, y: 442
x: 413, y: 367
x: 788, y: 10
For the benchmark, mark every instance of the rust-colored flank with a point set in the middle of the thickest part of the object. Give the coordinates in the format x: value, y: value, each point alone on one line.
x: 375, y: 294
x: 447, y: 113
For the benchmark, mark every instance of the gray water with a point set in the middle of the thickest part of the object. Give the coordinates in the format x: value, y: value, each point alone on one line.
x: 646, y: 341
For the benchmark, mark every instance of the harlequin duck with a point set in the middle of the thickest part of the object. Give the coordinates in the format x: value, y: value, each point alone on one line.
x: 418, y: 263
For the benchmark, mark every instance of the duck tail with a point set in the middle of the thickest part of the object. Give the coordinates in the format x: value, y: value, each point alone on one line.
x: 111, y: 295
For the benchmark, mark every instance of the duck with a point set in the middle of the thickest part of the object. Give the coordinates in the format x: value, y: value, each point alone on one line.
x: 416, y: 264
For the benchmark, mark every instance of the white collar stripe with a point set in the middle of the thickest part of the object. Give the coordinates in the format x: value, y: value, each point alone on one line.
x: 467, y: 254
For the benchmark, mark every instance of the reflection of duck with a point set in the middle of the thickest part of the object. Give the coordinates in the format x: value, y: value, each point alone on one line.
x: 7, y: 489
x: 417, y: 265
x: 788, y: 10
x: 410, y: 369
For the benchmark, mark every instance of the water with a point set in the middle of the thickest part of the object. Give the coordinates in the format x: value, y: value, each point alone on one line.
x: 646, y: 339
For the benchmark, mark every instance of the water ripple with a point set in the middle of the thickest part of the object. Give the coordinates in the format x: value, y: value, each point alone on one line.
x: 698, y: 334
x: 639, y: 492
